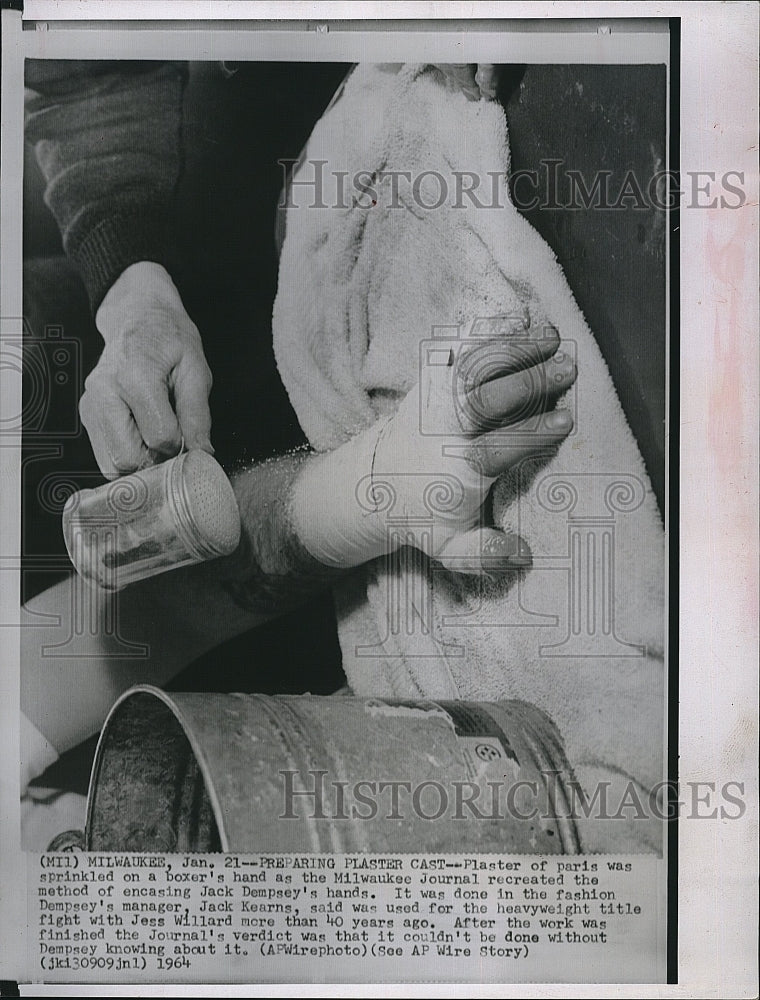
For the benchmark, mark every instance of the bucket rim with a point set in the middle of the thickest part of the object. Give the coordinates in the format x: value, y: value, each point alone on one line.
x: 195, y: 746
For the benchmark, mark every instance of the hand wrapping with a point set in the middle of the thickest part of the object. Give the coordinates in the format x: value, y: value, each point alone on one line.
x: 429, y: 468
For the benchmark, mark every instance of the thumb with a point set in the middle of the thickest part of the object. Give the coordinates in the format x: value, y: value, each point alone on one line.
x: 485, y: 550
x: 192, y: 385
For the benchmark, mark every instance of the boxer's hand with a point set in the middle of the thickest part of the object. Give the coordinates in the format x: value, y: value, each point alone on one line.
x: 435, y: 460
x: 475, y: 80
x: 470, y: 421
x: 150, y: 388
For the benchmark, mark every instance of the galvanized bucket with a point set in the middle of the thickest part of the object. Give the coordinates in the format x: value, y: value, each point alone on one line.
x: 253, y: 774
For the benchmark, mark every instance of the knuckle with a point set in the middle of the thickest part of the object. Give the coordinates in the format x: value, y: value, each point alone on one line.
x: 85, y: 406
x: 90, y: 407
x: 123, y: 462
x: 206, y: 375
x: 186, y: 326
x: 124, y: 466
x: 539, y: 323
x: 160, y: 439
x: 549, y: 334
x: 118, y: 451
x: 193, y: 367
x: 95, y: 382
x: 188, y: 336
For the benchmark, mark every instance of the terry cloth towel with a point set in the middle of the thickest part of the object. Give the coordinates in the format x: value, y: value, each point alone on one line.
x: 369, y: 279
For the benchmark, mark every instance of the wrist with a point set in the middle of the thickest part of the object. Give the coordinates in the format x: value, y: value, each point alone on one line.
x: 272, y: 569
x: 262, y: 493
x: 145, y: 282
x: 102, y: 250
x: 337, y: 511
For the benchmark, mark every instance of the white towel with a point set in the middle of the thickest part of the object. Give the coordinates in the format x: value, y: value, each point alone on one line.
x: 362, y: 288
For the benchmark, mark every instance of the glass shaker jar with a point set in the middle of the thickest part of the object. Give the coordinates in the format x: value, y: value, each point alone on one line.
x: 180, y: 512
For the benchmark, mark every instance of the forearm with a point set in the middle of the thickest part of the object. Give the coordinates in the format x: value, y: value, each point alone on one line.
x: 81, y: 649
x: 107, y: 139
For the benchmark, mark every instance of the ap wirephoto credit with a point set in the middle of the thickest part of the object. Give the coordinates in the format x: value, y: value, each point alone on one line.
x: 348, y: 542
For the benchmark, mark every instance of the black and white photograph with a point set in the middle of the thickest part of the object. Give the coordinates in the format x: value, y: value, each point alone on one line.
x: 345, y: 419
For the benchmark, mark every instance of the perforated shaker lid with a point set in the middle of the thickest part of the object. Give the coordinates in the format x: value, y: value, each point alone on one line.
x: 211, y: 503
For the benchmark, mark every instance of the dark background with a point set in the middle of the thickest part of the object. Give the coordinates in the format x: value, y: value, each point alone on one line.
x: 224, y: 263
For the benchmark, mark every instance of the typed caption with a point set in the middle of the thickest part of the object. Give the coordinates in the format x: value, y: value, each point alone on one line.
x: 275, y: 918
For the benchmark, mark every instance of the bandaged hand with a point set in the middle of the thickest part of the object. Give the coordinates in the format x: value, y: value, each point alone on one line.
x: 150, y: 388
x: 422, y: 477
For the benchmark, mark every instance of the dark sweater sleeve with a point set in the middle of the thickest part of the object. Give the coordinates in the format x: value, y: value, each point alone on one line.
x: 107, y: 139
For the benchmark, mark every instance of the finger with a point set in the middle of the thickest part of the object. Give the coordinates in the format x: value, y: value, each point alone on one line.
x: 448, y: 392
x: 516, y: 397
x: 488, y: 361
x: 480, y: 361
x: 461, y: 77
x: 149, y: 403
x: 192, y: 385
x: 495, y: 452
x: 115, y: 440
x: 487, y: 79
x: 485, y: 550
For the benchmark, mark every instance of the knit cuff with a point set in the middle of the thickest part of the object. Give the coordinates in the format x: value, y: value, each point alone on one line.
x: 123, y: 238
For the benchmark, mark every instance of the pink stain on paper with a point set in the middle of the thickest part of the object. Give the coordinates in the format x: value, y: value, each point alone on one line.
x: 726, y: 258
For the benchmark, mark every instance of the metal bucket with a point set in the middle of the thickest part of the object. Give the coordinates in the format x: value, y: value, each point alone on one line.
x: 254, y: 774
